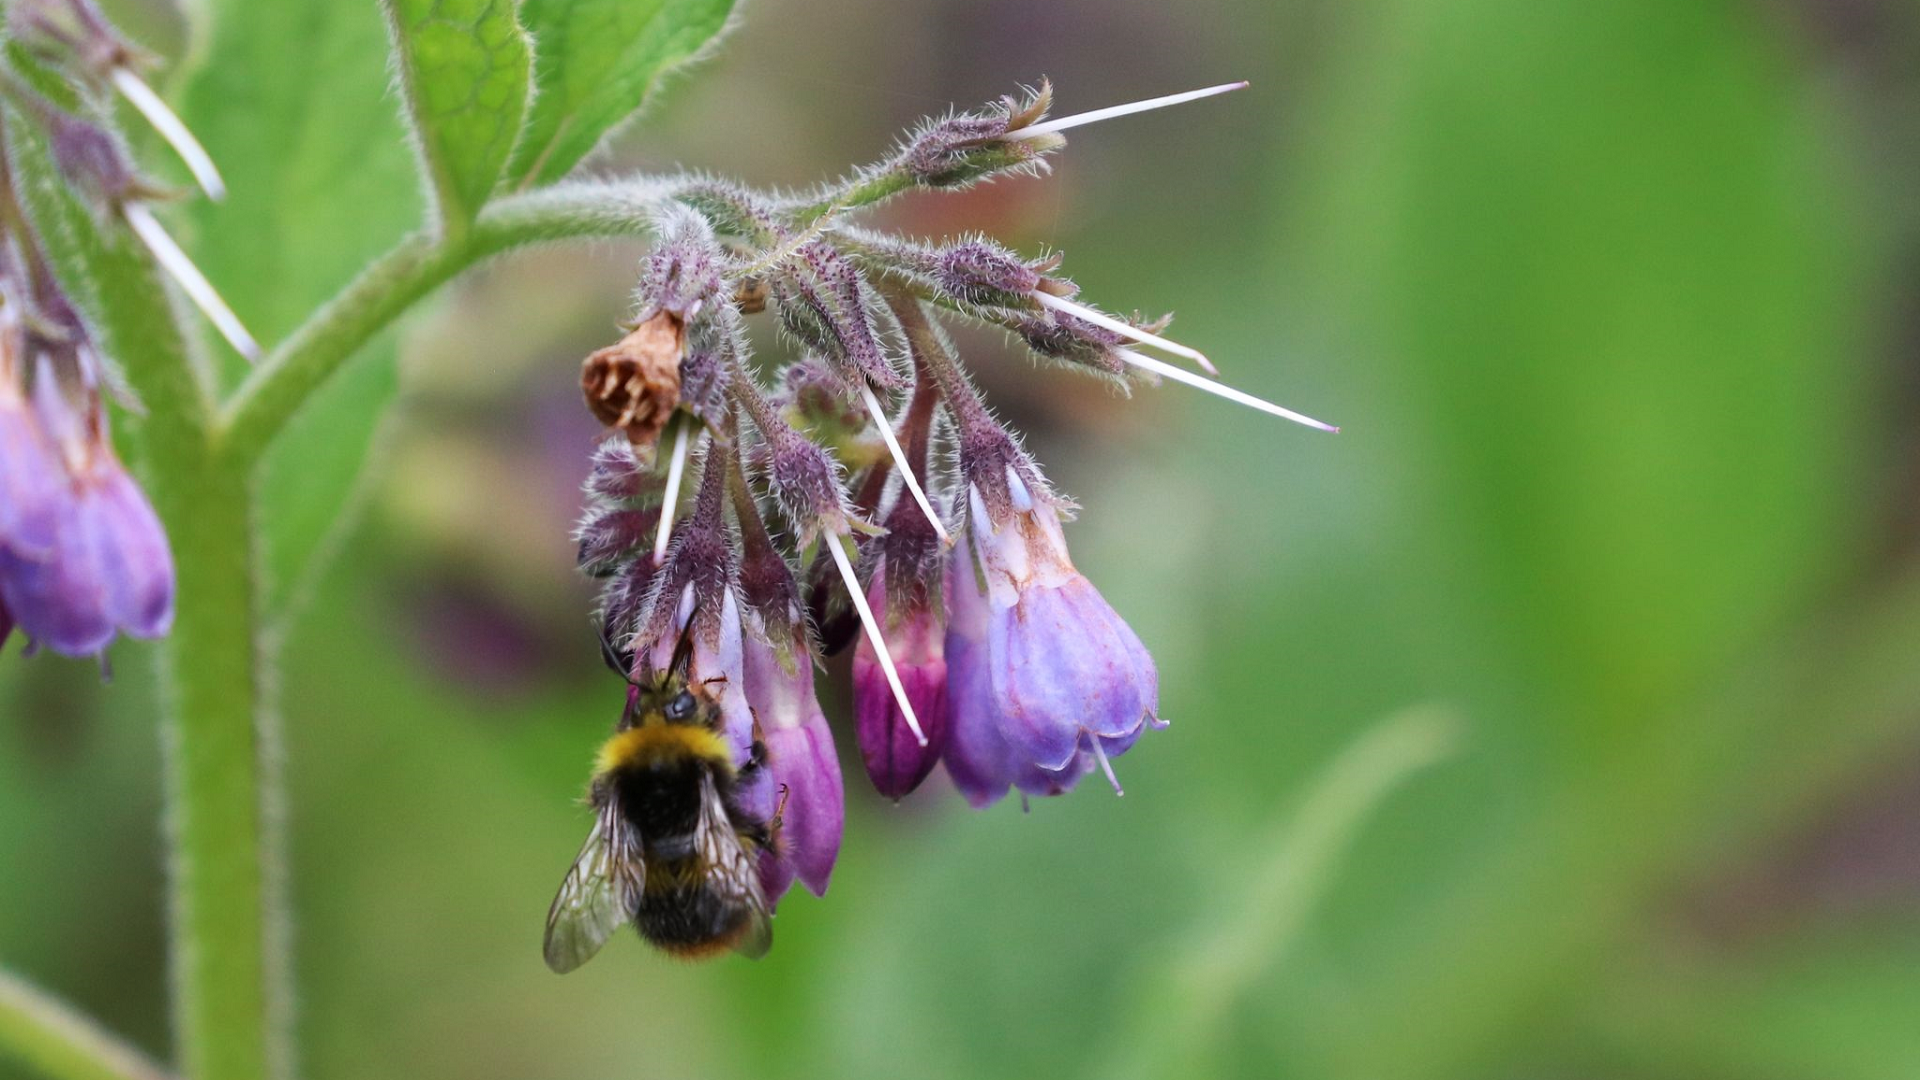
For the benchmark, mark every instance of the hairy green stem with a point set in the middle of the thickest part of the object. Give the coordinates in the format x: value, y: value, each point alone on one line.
x: 866, y: 189
x: 228, y: 992
x: 232, y: 990
x: 415, y: 268
x: 52, y: 1038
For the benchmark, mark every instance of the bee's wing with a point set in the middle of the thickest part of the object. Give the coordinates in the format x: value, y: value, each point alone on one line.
x: 600, y: 893
x: 733, y: 874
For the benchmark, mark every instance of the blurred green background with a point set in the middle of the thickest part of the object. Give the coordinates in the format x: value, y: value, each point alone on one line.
x: 1619, y: 305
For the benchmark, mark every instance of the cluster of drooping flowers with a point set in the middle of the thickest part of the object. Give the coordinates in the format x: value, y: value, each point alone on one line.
x: 865, y: 482
x: 83, y: 558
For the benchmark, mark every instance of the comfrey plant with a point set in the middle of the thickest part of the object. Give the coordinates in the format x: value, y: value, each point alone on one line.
x: 981, y: 646
x: 861, y: 488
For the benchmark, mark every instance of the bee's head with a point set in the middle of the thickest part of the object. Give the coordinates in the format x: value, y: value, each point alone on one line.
x: 678, y: 704
x: 656, y: 696
x: 671, y: 699
x: 668, y: 722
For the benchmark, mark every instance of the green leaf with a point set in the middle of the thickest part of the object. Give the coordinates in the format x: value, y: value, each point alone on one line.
x: 464, y: 68
x: 294, y: 105
x: 309, y: 489
x: 596, y: 62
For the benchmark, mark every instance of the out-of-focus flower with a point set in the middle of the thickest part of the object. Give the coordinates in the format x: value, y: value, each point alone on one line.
x: 82, y: 556
x: 31, y: 472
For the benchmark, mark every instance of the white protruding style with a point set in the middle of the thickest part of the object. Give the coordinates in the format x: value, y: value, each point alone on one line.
x: 1100, y: 755
x: 1048, y: 127
x: 150, y: 105
x: 872, y: 626
x: 1166, y: 370
x: 181, y: 269
x: 676, y: 468
x: 1124, y: 329
x: 885, y: 425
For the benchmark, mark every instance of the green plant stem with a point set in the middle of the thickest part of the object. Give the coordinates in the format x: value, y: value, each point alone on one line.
x: 52, y: 1038
x: 233, y: 992
x: 413, y: 269
x: 231, y: 985
x: 867, y: 189
x: 228, y: 991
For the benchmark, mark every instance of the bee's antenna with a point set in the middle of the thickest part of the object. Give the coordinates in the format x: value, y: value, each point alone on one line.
x: 620, y: 662
x: 682, y: 664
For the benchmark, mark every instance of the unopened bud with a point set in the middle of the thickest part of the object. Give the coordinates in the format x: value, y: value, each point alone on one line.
x: 964, y: 148
x: 682, y: 275
x: 983, y: 272
x: 609, y: 537
x: 820, y: 401
x: 91, y: 158
x: 615, y: 475
x: 825, y: 302
x: 804, y: 481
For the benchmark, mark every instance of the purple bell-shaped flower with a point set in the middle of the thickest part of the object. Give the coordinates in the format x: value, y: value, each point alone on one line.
x: 1044, y: 678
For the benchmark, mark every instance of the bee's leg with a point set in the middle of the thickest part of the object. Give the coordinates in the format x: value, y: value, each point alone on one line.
x: 765, y: 834
x: 779, y: 813
x: 756, y: 760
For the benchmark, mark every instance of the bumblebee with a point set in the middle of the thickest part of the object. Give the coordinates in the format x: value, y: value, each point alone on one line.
x: 672, y: 849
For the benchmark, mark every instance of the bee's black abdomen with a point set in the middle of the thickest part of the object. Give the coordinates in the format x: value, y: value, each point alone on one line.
x: 690, y: 919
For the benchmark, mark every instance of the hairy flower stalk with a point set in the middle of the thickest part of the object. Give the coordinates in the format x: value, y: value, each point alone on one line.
x: 982, y: 646
x: 807, y: 485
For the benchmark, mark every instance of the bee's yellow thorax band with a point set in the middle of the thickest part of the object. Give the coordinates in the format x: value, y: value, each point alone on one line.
x: 653, y: 742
